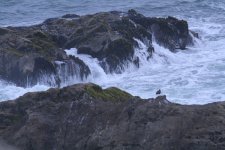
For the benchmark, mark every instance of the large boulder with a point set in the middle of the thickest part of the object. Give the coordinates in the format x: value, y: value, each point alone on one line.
x: 29, y: 53
x: 28, y: 56
x: 87, y: 117
x: 108, y: 36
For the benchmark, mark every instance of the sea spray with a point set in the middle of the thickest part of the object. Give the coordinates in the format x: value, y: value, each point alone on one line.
x: 97, y: 72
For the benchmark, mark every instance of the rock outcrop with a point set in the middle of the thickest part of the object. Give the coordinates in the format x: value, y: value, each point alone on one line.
x: 86, y: 117
x: 28, y: 54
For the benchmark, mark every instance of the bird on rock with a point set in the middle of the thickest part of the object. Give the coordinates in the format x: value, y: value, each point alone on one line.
x: 158, y: 92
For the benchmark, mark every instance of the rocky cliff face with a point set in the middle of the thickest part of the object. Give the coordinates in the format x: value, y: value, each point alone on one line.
x: 84, y: 116
x: 28, y: 54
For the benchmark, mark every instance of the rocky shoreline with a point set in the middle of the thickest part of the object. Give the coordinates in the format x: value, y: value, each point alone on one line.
x: 38, y: 51
x: 85, y: 116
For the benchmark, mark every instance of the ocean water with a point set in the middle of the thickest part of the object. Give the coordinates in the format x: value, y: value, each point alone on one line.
x: 192, y: 76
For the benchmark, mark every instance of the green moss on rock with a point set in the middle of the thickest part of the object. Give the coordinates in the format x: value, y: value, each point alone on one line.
x: 109, y: 94
x: 44, y: 47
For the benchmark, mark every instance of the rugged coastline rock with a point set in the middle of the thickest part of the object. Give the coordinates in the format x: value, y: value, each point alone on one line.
x: 84, y: 116
x: 30, y: 53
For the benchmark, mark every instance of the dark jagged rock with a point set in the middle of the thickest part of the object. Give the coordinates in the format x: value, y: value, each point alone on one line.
x: 28, y: 54
x: 86, y: 117
x: 70, y: 16
x: 158, y: 92
x: 108, y: 36
x: 168, y: 32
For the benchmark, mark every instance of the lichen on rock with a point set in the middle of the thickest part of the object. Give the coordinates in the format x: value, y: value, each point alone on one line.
x: 110, y: 94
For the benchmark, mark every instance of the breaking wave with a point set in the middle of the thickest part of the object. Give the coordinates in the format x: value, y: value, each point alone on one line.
x: 192, y: 76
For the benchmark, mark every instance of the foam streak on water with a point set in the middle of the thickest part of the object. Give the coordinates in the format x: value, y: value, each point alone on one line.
x: 192, y: 76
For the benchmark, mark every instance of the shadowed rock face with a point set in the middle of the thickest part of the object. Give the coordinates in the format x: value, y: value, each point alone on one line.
x: 84, y: 116
x: 5, y: 146
x: 31, y: 52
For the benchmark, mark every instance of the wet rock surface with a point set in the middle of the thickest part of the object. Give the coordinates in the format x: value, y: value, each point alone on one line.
x: 84, y: 116
x: 28, y: 53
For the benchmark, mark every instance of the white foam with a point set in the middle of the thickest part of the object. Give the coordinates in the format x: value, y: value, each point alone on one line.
x: 59, y: 62
x: 10, y: 91
x: 97, y: 73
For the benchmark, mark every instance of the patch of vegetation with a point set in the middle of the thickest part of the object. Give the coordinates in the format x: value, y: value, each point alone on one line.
x: 109, y: 94
x: 44, y: 47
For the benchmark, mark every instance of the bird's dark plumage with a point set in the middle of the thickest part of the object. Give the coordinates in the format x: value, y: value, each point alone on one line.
x: 158, y: 92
